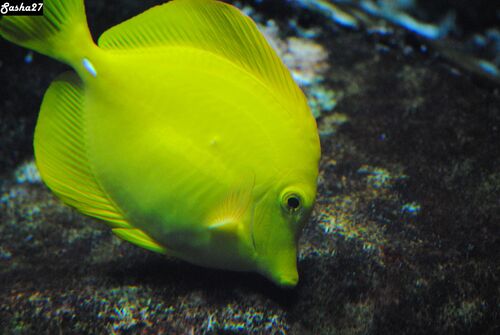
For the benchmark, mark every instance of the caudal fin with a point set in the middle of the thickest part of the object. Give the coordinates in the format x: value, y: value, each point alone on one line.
x: 61, y: 33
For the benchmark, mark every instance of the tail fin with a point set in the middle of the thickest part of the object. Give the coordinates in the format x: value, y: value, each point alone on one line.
x: 61, y: 33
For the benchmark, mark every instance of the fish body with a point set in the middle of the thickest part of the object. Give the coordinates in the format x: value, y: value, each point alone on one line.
x: 181, y: 129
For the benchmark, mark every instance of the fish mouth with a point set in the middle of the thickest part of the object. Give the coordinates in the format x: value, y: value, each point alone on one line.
x: 287, y: 281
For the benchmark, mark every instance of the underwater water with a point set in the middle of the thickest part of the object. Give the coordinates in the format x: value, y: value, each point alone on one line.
x: 405, y: 234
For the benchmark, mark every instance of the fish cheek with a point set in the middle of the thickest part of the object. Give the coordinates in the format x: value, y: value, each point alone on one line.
x: 275, y: 242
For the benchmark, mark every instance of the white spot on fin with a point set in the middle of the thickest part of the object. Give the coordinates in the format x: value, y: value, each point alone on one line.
x: 89, y: 67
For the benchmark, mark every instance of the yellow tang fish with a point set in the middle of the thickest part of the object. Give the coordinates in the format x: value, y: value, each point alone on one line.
x: 181, y: 129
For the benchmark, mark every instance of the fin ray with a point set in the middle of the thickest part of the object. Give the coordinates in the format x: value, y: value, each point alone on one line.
x: 229, y: 214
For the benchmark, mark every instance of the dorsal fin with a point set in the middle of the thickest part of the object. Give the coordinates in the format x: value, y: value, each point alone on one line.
x: 61, y: 155
x: 212, y: 26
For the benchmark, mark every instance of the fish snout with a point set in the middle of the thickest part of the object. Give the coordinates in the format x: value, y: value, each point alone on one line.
x: 282, y: 269
x: 288, y: 280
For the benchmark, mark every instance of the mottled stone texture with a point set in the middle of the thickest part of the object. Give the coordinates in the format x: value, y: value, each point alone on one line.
x: 404, y: 238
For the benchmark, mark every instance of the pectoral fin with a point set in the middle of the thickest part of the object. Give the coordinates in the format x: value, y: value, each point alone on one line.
x: 230, y: 213
x: 227, y: 225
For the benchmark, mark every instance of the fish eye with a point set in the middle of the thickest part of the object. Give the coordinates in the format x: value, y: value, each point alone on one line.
x: 292, y: 202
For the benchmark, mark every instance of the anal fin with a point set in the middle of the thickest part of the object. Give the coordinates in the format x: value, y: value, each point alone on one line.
x: 139, y: 238
x: 62, y: 156
x: 63, y: 160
